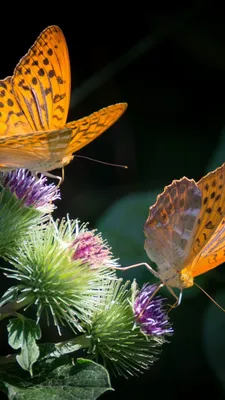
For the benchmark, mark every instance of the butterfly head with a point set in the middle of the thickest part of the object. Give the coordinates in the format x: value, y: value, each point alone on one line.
x: 186, y: 278
x: 66, y: 160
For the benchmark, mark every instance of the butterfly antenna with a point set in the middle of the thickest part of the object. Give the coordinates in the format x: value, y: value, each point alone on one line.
x: 102, y: 162
x: 214, y: 301
x: 60, y: 178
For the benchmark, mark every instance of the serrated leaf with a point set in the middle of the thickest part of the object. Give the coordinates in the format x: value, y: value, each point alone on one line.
x: 85, y: 380
x: 23, y: 333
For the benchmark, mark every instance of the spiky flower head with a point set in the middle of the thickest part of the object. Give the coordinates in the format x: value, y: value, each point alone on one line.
x: 50, y: 278
x: 149, y: 312
x: 90, y: 247
x: 116, y: 339
x: 31, y: 190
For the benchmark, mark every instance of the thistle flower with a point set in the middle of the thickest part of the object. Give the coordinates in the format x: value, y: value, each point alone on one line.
x: 149, y: 312
x: 59, y: 286
x: 91, y: 248
x: 32, y: 191
x: 115, y: 338
x: 87, y: 246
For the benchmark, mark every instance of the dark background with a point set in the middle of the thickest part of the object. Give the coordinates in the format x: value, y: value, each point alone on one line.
x: 168, y: 63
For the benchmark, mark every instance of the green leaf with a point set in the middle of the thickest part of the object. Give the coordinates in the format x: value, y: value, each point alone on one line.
x: 23, y: 333
x: 85, y: 380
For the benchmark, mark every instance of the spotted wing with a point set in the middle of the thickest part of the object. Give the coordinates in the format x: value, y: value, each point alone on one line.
x: 12, y: 118
x: 212, y: 255
x: 172, y: 223
x: 208, y: 249
x: 89, y: 128
x: 41, y: 81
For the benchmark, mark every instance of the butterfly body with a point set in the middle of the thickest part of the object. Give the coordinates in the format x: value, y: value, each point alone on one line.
x: 34, y: 104
x: 185, y: 229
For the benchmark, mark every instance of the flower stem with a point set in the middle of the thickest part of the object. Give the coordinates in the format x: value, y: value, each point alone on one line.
x: 77, y: 343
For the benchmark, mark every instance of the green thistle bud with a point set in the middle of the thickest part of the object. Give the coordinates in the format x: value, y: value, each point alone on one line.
x: 50, y: 278
x: 116, y: 339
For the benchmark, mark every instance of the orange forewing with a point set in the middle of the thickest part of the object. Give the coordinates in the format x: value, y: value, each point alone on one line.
x: 41, y: 81
x: 89, y: 128
x: 34, y: 104
x: 208, y: 250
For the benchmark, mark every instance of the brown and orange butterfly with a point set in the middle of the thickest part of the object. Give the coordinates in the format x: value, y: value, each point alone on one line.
x: 34, y: 105
x: 185, y: 230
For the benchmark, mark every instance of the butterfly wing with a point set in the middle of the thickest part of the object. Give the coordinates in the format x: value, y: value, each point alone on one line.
x: 171, y: 224
x: 89, y: 128
x: 37, y: 151
x: 46, y: 150
x: 36, y: 100
x: 212, y: 255
x: 41, y: 81
x: 12, y: 118
x: 208, y: 249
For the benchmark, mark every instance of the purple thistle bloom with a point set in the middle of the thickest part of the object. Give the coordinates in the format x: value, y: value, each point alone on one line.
x: 150, y: 315
x: 33, y: 191
x: 92, y: 249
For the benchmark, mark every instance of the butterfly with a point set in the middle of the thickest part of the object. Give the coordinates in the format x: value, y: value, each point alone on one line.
x: 34, y: 104
x: 185, y: 230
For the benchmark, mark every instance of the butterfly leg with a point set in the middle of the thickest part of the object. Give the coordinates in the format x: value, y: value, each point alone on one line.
x: 60, y: 178
x: 63, y: 175
x: 35, y: 174
x: 178, y: 298
x: 138, y: 265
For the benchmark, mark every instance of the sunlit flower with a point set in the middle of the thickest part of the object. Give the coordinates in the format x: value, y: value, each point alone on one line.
x: 63, y: 289
x: 150, y: 313
x: 92, y: 249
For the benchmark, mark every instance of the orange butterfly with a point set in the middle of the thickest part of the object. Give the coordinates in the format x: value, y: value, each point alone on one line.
x: 185, y: 230
x: 34, y: 105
